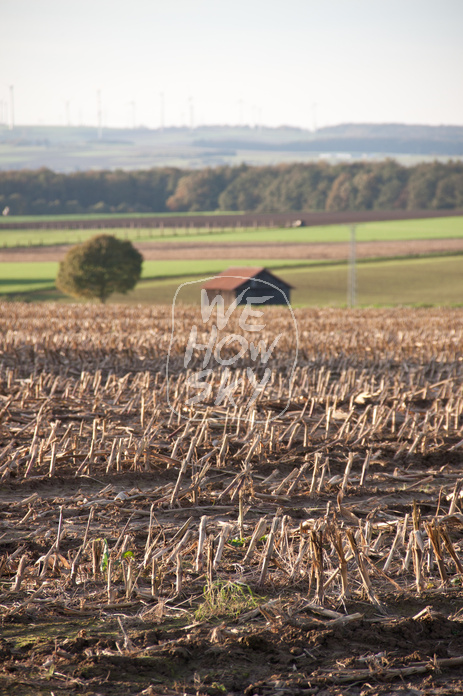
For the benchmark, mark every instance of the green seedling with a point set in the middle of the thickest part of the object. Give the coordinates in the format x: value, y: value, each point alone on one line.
x: 237, y: 542
x: 104, y: 557
x: 226, y: 599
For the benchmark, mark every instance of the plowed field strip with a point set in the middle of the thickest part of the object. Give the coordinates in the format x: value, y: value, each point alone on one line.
x: 196, y: 251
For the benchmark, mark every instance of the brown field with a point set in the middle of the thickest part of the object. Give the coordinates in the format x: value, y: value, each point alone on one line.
x: 142, y: 552
x: 334, y: 251
x: 250, y: 219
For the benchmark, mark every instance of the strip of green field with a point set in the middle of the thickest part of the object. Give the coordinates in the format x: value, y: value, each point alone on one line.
x: 176, y: 269
x: 23, y: 277
x: 423, y: 281
x: 430, y: 228
x: 101, y: 217
x: 20, y: 277
x: 414, y: 282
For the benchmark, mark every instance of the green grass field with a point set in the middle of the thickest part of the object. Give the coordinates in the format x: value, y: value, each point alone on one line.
x: 430, y: 281
x: 39, y: 219
x: 25, y: 276
x: 425, y: 281
x: 433, y: 228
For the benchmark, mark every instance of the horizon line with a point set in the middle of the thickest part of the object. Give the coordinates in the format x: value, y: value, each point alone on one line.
x: 237, y: 126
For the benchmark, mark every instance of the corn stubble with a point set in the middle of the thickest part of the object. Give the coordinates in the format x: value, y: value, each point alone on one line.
x: 351, y: 494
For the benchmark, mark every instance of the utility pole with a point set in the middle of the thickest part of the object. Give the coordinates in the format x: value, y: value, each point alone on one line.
x: 352, y: 281
x: 11, y: 107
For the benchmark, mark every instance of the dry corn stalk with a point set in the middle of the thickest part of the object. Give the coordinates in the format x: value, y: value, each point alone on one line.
x: 316, y: 543
x: 362, y: 569
x: 444, y: 532
x: 418, y: 548
x: 336, y: 539
x: 201, y: 540
x: 268, y: 550
x: 433, y: 534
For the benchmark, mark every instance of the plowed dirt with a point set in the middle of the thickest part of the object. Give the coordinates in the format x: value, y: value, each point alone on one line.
x: 182, y: 251
x: 103, y: 493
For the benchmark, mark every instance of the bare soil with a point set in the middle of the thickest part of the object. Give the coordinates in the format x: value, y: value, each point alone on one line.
x: 370, y: 449
x: 182, y: 251
x: 237, y: 220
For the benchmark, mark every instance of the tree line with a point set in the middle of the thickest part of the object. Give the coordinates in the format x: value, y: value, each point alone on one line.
x: 319, y: 186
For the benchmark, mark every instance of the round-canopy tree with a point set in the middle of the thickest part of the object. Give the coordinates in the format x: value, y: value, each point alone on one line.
x: 98, y: 267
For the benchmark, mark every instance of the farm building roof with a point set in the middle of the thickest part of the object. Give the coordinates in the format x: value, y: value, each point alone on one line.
x: 232, y: 277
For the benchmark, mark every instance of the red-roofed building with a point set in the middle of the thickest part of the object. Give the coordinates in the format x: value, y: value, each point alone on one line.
x: 252, y: 281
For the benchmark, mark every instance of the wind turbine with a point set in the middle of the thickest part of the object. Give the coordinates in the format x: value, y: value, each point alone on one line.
x: 68, y: 113
x: 11, y: 107
x: 99, y: 114
x: 133, y: 105
x: 191, y: 104
x: 161, y: 114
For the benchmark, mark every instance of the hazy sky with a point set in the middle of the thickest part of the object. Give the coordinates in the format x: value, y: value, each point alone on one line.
x: 293, y: 62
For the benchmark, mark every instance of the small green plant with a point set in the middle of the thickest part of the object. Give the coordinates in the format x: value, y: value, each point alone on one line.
x: 104, y: 557
x: 237, y: 542
x: 226, y: 599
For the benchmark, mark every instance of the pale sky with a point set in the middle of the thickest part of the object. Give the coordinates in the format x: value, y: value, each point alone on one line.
x: 273, y: 62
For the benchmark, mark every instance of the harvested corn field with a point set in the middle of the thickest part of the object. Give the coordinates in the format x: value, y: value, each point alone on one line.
x: 221, y: 548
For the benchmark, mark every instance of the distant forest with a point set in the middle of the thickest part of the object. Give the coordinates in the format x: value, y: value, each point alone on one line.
x: 359, y: 186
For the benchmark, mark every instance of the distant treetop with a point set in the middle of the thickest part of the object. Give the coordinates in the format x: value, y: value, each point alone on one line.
x: 317, y: 186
